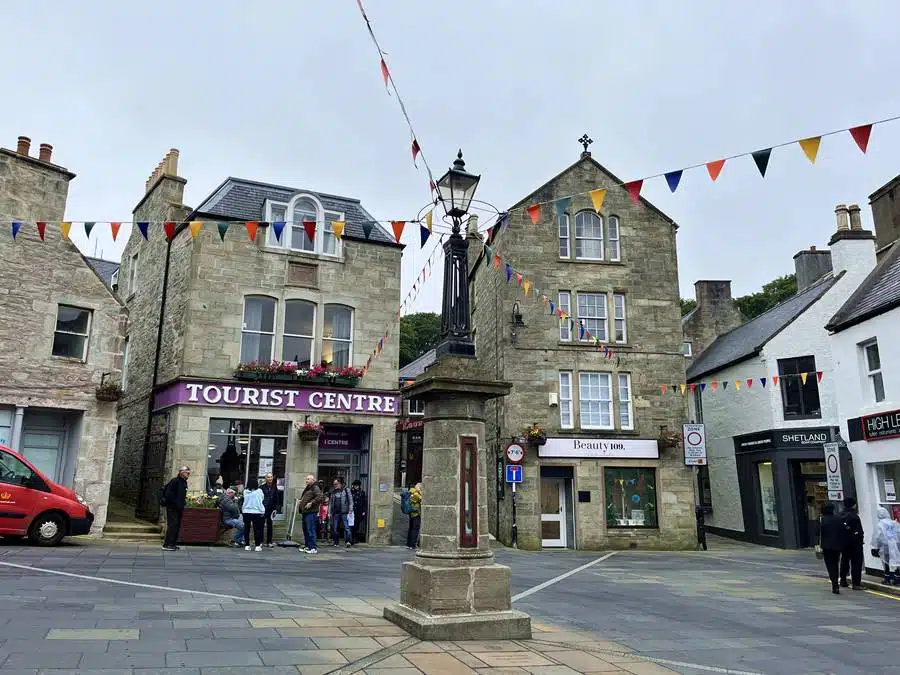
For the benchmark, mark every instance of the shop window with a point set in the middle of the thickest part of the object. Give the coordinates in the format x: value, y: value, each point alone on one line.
x: 768, y: 503
x: 242, y: 450
x: 626, y: 418
x: 592, y: 312
x: 595, y: 400
x: 299, y: 332
x: 73, y: 326
x: 872, y: 366
x: 565, y: 401
x: 565, y: 304
x: 258, y: 329
x: 337, y: 342
x: 588, y: 236
x: 888, y: 476
x: 799, y: 388
x: 6, y: 420
x: 563, y: 223
x: 704, y: 487
x: 630, y: 497
x: 415, y: 407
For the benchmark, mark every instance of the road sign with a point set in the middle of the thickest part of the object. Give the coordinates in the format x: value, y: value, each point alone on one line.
x: 515, y: 453
x: 694, y: 445
x: 833, y: 472
x: 514, y: 473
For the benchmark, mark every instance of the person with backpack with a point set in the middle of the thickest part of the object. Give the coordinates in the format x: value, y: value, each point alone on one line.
x: 340, y: 505
x: 311, y: 499
x: 254, y: 513
x: 854, y: 540
x: 174, y: 497
x: 411, y: 504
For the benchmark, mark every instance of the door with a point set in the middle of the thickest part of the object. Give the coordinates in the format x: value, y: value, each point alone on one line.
x: 18, y: 502
x: 44, y: 449
x: 553, y: 512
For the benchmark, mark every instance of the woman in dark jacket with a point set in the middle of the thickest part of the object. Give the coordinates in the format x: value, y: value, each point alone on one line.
x: 831, y: 539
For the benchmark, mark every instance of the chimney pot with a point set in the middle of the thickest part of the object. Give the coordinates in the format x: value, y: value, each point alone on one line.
x: 843, y: 217
x: 812, y: 248
x: 855, y: 219
x: 472, y: 225
x: 46, y: 151
x: 23, y: 145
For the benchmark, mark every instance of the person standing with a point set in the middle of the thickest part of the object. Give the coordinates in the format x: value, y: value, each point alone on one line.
x: 231, y: 516
x: 310, y: 500
x: 886, y: 545
x: 360, y: 508
x: 340, y: 505
x: 854, y: 540
x: 254, y: 512
x: 174, y: 498
x: 831, y: 539
x: 272, y: 501
x: 415, y: 516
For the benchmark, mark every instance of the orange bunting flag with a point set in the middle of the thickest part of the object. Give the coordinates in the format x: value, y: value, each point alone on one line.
x: 496, y: 262
x: 634, y: 189
x: 715, y: 168
x: 737, y: 385
x: 597, y: 197
x: 64, y: 229
x: 527, y: 286
x: 535, y: 212
x: 803, y: 378
x: 169, y: 227
x: 810, y: 147
x: 663, y: 389
x: 715, y: 385
x: 398, y: 226
x: 819, y: 374
x: 683, y: 387
x: 252, y: 227
x: 42, y: 228
x: 114, y: 228
x: 195, y: 228
x: 774, y: 380
x: 385, y: 73
x: 337, y: 229
x: 861, y: 136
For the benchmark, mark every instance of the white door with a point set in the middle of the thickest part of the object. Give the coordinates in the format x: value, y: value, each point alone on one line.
x: 553, y: 512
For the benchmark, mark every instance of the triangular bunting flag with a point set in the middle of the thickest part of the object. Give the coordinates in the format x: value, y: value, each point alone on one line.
x: 762, y: 381
x: 819, y: 374
x: 737, y: 384
x: 309, y: 226
x: 519, y: 278
x: 496, y: 262
x: 634, y: 189
x: 16, y: 226
x: 663, y: 388
x: 580, y: 331
x: 673, y: 178
x: 223, y: 228
x: 114, y: 229
x: 810, y: 147
x: 386, y: 74
x: 715, y: 168
x: 142, y: 227
x: 509, y: 272
x: 527, y: 286
x: 424, y: 234
x: 367, y: 229
x: 64, y: 228
x: 683, y: 388
x: 195, y: 226
x: 488, y: 252
x: 88, y: 226
x: 252, y: 228
x: 774, y: 380
x: 597, y: 197
x: 398, y: 226
x: 693, y: 387
x: 562, y: 205
x: 552, y: 310
x: 337, y: 229
x: 861, y: 136
x: 761, y: 157
x: 803, y: 378
x: 42, y: 228
x: 725, y: 385
x: 703, y: 386
x: 534, y: 212
x: 715, y: 385
x: 429, y: 219
x: 415, y: 151
x: 749, y: 383
x: 169, y: 227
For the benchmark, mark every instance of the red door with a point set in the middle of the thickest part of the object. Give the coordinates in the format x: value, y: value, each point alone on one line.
x: 18, y: 503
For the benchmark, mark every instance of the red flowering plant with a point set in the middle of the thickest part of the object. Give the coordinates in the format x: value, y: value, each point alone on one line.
x: 254, y: 367
x: 308, y: 427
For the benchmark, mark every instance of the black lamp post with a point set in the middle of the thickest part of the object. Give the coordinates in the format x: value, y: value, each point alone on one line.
x: 456, y: 189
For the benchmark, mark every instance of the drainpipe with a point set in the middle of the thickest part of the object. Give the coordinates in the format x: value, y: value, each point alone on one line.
x: 15, y: 440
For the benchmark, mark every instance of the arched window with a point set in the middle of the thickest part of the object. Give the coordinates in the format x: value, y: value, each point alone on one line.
x: 299, y: 332
x: 337, y: 335
x: 302, y: 210
x: 588, y: 236
x: 296, y: 215
x: 258, y: 329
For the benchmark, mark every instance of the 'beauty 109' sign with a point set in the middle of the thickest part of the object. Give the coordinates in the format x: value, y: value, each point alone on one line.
x: 218, y: 394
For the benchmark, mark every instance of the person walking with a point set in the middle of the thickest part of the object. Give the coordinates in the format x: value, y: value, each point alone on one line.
x: 886, y: 545
x: 231, y: 516
x: 854, y: 540
x: 322, y: 523
x: 415, y: 516
x: 272, y: 501
x: 831, y: 539
x: 360, y: 508
x: 254, y: 512
x: 174, y: 498
x: 340, y: 505
x: 310, y: 500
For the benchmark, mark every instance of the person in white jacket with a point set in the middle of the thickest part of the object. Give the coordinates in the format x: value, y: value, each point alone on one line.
x: 887, y: 543
x: 254, y: 514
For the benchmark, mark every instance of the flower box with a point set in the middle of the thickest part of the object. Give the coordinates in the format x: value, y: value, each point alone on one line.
x: 282, y: 377
x: 346, y: 381
x: 316, y: 379
x: 200, y: 526
x: 248, y: 375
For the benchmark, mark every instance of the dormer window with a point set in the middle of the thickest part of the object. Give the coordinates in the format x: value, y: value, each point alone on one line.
x: 297, y: 215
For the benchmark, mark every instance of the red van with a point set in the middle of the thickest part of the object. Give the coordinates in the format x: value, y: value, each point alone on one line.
x: 32, y: 505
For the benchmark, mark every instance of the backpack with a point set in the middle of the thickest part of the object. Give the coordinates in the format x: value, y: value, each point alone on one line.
x: 405, y: 504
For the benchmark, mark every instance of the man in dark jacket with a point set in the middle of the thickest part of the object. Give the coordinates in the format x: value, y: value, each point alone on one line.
x: 272, y: 501
x: 852, y: 551
x: 360, y: 511
x: 231, y: 516
x: 831, y: 538
x: 310, y: 500
x: 340, y: 505
x: 174, y: 499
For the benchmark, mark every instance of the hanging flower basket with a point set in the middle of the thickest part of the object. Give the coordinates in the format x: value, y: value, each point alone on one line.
x: 108, y: 391
x: 308, y: 431
x: 669, y: 439
x: 535, y: 435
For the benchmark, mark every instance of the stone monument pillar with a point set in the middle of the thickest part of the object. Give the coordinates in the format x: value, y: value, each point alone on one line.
x: 454, y: 590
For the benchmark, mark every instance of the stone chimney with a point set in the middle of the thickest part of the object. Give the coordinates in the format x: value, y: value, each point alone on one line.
x: 472, y: 226
x: 885, y: 205
x: 855, y: 219
x: 715, y: 314
x: 810, y: 266
x: 23, y: 145
x: 712, y: 293
x: 167, y: 167
x: 46, y: 152
x: 843, y: 217
x: 852, y: 248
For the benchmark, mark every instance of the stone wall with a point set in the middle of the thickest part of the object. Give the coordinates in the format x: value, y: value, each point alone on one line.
x: 714, y: 315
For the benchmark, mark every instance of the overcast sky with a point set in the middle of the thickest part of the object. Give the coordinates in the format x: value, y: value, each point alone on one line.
x: 291, y: 93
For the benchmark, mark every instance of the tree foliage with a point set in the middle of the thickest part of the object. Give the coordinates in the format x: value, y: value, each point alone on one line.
x: 687, y: 306
x: 752, y: 305
x: 418, y: 333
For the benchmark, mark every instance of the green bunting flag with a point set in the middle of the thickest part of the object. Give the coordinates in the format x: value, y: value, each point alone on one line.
x: 223, y: 228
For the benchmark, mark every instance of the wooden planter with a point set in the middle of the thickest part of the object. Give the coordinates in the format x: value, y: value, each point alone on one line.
x: 200, y: 526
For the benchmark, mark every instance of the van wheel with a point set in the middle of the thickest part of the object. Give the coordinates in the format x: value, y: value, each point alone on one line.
x: 47, y: 530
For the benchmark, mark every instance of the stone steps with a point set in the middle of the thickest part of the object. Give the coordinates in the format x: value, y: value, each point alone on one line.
x: 131, y: 531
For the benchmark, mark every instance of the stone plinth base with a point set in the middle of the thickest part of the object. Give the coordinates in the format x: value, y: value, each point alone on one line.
x: 508, y: 625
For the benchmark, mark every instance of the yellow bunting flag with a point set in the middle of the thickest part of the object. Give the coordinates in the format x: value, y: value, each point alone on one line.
x: 811, y: 147
x: 803, y: 378
x: 195, y: 226
x: 428, y: 220
x: 597, y: 197
x: 64, y: 229
x: 527, y: 286
x: 683, y: 388
x: 337, y: 227
x: 737, y: 385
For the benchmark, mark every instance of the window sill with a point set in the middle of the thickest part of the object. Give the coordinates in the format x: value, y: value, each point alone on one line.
x: 585, y: 343
x: 303, y: 255
x: 588, y: 261
x: 794, y: 418
x: 571, y: 431
x: 70, y: 359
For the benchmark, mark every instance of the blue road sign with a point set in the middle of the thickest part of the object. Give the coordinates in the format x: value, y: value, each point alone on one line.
x: 513, y: 473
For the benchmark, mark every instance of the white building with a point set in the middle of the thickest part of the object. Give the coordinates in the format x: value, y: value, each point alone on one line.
x: 865, y: 342
x: 766, y: 392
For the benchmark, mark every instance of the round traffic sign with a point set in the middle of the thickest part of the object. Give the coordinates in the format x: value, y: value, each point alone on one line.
x: 515, y: 453
x: 694, y: 438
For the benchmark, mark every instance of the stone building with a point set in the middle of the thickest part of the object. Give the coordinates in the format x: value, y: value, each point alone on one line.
x: 715, y: 313
x: 61, y: 328
x: 885, y: 205
x: 601, y: 480
x: 210, y: 298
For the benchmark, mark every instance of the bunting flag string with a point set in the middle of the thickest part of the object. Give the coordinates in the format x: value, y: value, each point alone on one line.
x: 714, y: 385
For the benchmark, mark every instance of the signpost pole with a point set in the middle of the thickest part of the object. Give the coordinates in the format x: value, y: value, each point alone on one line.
x: 515, y: 526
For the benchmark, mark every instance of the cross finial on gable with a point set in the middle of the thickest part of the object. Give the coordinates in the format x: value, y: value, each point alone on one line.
x: 585, y: 141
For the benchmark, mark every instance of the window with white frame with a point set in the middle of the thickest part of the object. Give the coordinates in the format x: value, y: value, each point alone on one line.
x: 258, y: 328
x: 415, y: 407
x: 612, y: 228
x: 595, y: 400
x: 297, y: 215
x: 302, y: 211
x: 626, y: 419
x: 132, y: 274
x: 873, y: 370
x: 592, y: 312
x: 687, y: 348
x: 588, y: 236
x: 565, y: 400
x: 299, y: 332
x: 337, y: 342
x: 73, y: 328
x: 563, y: 222
x: 565, y: 304
x: 621, y: 334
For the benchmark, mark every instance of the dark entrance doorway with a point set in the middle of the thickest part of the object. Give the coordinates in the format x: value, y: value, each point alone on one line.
x: 811, y: 492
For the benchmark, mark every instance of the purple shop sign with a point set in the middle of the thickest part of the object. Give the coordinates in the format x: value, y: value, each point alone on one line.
x: 273, y: 397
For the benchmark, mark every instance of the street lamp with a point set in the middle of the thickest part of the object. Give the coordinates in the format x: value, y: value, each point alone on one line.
x: 456, y: 189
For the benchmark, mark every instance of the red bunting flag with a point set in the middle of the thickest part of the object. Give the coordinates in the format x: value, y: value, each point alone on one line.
x: 415, y: 151
x: 861, y: 136
x: 693, y: 387
x: 385, y: 73
x: 819, y: 374
x: 519, y: 278
x: 715, y: 168
x: 309, y: 226
x: 749, y: 383
x: 664, y: 389
x: 634, y: 189
x: 715, y: 385
x: 432, y: 186
x: 114, y: 228
x: 252, y: 227
x: 42, y: 228
x: 169, y: 227
x: 774, y: 380
x: 490, y: 231
x: 398, y: 226
x: 535, y: 212
x: 496, y: 262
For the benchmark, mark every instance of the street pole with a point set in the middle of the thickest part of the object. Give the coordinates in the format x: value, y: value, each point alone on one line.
x: 515, y: 526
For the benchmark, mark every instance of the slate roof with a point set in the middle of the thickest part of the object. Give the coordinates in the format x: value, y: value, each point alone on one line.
x: 241, y: 199
x: 104, y: 268
x: 878, y: 293
x: 749, y: 338
x: 415, y: 368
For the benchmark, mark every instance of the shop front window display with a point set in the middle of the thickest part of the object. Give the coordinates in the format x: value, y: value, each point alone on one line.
x: 630, y: 497
x: 888, y: 481
x: 243, y: 450
x: 767, y: 496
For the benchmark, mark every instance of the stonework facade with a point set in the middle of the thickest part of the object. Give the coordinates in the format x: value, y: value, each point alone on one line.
x: 61, y: 327
x: 626, y: 289
x: 715, y: 314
